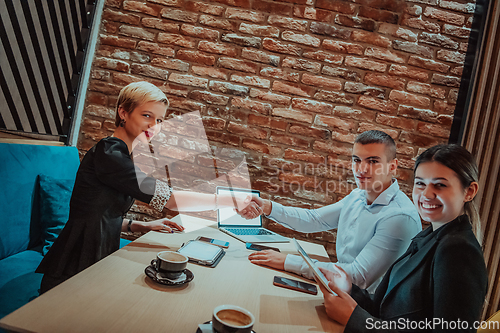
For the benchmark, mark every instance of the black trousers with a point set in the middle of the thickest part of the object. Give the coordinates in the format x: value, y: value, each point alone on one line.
x: 49, y: 282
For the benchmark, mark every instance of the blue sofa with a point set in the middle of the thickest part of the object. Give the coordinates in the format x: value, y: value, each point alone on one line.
x: 35, y: 188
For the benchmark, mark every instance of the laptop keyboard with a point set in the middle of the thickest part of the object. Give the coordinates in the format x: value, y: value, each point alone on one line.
x: 249, y: 231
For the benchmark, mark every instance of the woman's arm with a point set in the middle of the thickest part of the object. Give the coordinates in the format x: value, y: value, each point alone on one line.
x: 187, y: 201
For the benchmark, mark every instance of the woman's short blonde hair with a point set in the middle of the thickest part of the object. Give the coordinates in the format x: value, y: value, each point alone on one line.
x: 137, y: 93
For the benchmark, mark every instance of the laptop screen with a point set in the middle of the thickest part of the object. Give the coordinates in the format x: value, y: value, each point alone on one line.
x: 228, y: 217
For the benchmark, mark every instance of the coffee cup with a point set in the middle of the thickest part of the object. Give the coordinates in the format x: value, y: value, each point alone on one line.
x: 170, y: 263
x: 232, y: 319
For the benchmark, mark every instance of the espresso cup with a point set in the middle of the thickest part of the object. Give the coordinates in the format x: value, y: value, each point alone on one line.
x: 170, y: 263
x: 232, y: 319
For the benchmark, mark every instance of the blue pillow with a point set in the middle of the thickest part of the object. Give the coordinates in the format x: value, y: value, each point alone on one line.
x: 55, y: 195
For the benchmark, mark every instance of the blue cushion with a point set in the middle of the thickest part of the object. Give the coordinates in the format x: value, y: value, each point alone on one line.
x: 55, y: 195
x: 19, y: 168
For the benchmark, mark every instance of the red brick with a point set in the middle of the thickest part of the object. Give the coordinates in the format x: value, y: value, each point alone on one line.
x: 160, y: 24
x: 174, y: 89
x: 179, y: 15
x: 418, y: 140
x: 124, y: 79
x: 377, y: 104
x: 363, y: 127
x: 200, y: 6
x: 348, y: 112
x: 268, y: 122
x: 113, y: 15
x: 280, y: 47
x: 426, y: 89
x: 260, y: 147
x: 453, y: 96
x: 343, y: 47
x: 176, y: 39
x: 246, y: 103
x: 246, y: 15
x: 409, y: 99
x: 334, y: 97
x: 314, y: 14
x: 110, y: 27
x: 335, y: 123
x: 455, y: 31
x: 259, y: 30
x: 378, y: 15
x: 149, y: 71
x: 397, y: 122
x: 228, y: 88
x: 196, y: 57
x: 96, y: 98
x: 272, y: 7
x: 450, y: 81
x: 343, y: 137
x: 270, y: 97
x: 241, y: 40
x: 287, y: 22
x: 286, y: 139
x: 414, y: 10
x: 312, y: 105
x: 251, y: 80
x: 446, y: 120
x: 418, y: 23
x: 463, y: 47
x: 421, y: 114
x: 434, y: 129
x: 237, y: 64
x: 292, y: 88
x: 450, y: 56
x: 457, y: 70
x: 300, y: 38
x: 218, y: 48
x: 438, y: 40
x: 385, y: 80
x: 100, y: 111
x: 185, y: 104
x: 174, y: 64
x: 321, y: 81
x: 245, y: 130
x: 155, y: 48
x: 370, y: 38
x: 336, y: 6
x: 260, y: 56
x: 302, y: 155
x: 208, y: 97
x: 459, y: 7
x: 225, y: 138
x: 408, y: 72
x: 296, y: 115
x: 321, y: 28
x: 235, y: 3
x: 218, y: 23
x: 324, y: 56
x: 136, y: 6
x: 172, y: 3
x: 114, y: 3
x: 199, y: 32
x: 365, y: 64
x: 397, y: 31
x: 428, y: 64
x: 113, y: 64
x: 117, y: 41
x: 356, y: 22
x: 445, y: 16
x: 278, y: 73
x: 412, y: 48
x: 301, y: 64
x: 310, y: 132
x: 188, y: 80
x: 332, y: 148
x: 384, y: 54
x: 360, y: 88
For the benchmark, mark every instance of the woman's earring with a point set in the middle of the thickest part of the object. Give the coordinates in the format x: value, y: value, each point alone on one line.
x: 122, y: 123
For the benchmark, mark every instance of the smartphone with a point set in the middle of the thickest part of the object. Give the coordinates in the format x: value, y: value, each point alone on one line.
x: 295, y: 285
x: 213, y: 241
x: 258, y: 247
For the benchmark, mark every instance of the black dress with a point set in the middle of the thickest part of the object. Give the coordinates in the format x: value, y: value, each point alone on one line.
x: 106, y: 185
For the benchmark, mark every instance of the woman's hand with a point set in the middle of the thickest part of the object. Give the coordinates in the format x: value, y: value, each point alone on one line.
x: 269, y: 258
x: 340, y: 307
x: 254, y: 208
x: 162, y: 225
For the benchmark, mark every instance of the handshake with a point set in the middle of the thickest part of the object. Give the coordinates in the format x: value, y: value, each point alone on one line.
x: 257, y: 206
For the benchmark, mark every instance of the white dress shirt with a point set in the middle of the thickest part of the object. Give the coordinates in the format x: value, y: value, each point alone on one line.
x: 369, y: 237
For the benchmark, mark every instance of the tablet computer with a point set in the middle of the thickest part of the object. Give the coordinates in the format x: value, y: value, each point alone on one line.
x: 317, y: 273
x: 202, y: 253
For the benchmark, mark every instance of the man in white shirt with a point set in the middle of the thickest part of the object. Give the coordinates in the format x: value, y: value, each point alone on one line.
x: 375, y: 222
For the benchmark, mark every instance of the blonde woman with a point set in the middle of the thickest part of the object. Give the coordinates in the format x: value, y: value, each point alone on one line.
x: 107, y: 184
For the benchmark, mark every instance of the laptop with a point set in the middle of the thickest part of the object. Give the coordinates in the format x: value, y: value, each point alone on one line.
x: 248, y: 231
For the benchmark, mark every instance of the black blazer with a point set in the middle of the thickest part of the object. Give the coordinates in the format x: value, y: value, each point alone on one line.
x: 445, y: 280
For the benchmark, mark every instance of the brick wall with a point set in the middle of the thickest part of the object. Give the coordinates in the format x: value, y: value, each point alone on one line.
x: 286, y: 84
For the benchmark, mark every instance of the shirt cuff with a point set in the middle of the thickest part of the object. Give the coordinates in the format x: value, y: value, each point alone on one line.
x: 276, y: 211
x: 161, y: 196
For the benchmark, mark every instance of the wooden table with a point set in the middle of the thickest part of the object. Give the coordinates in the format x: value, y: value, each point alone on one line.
x: 114, y: 295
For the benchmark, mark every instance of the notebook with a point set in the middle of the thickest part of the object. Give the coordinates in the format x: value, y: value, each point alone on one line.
x: 247, y: 231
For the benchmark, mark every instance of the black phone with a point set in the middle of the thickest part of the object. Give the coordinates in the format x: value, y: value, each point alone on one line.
x: 258, y: 247
x: 213, y: 241
x: 295, y: 285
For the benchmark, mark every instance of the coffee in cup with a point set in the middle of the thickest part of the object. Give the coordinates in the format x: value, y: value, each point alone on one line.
x: 170, y: 263
x: 232, y: 319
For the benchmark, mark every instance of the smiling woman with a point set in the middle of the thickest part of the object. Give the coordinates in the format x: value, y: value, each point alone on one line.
x: 106, y: 185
